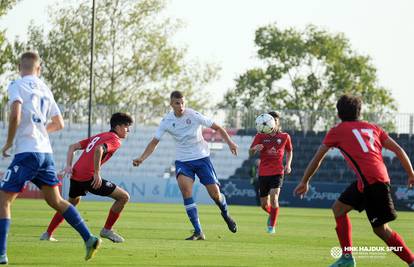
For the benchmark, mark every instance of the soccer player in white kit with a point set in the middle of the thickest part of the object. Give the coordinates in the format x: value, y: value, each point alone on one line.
x: 32, y: 105
x: 192, y: 158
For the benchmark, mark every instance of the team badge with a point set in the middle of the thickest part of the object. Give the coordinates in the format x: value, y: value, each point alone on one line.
x: 188, y: 121
x: 16, y: 168
x: 278, y: 141
x: 272, y: 151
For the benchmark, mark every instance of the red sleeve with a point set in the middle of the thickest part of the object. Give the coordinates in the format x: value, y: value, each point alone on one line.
x: 112, y: 145
x: 84, y: 143
x: 383, y: 136
x: 257, y: 140
x: 288, y: 146
x: 330, y: 139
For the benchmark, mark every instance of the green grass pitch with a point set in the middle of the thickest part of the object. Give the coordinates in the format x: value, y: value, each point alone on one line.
x: 154, y: 236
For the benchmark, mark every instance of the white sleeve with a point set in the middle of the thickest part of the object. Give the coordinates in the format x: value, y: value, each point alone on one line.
x: 160, y: 130
x: 14, y: 93
x: 54, y: 109
x: 203, y: 120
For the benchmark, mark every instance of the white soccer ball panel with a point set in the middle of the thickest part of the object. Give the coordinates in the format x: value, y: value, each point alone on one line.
x: 265, y: 123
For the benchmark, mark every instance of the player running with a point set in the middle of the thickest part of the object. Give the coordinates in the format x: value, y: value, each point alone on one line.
x: 192, y: 158
x: 32, y: 105
x: 86, y: 177
x: 361, y: 144
x: 271, y: 148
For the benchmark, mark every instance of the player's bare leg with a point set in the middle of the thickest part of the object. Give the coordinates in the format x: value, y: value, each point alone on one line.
x: 265, y: 204
x: 6, y: 200
x: 121, y: 199
x: 344, y: 233
x: 220, y: 200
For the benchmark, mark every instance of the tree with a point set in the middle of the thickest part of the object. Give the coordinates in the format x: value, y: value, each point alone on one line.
x: 6, y: 51
x: 307, y: 71
x: 136, y: 64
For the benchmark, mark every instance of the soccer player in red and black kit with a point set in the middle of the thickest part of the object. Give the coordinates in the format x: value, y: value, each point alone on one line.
x: 86, y: 177
x: 271, y: 170
x: 361, y: 144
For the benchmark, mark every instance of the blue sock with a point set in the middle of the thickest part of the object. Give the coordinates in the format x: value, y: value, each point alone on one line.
x: 192, y: 213
x: 4, y: 230
x: 223, y: 205
x: 73, y: 217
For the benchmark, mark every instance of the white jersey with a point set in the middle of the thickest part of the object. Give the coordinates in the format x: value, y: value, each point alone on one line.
x: 187, y: 133
x: 38, y: 105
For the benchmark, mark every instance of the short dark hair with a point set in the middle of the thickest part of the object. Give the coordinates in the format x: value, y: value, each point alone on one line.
x: 349, y: 107
x: 120, y: 118
x: 28, y: 60
x: 176, y: 94
x: 274, y: 114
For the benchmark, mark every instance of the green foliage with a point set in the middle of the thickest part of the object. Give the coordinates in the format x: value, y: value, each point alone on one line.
x: 6, y: 5
x: 307, y: 70
x: 136, y: 63
x: 6, y: 50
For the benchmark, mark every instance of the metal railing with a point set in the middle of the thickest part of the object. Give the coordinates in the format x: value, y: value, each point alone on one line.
x: 292, y: 120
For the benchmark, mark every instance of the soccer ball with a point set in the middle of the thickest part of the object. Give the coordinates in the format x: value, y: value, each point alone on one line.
x: 265, y: 123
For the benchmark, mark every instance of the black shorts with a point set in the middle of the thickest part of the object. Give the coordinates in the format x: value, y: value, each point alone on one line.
x: 78, y: 188
x: 266, y: 183
x: 375, y: 200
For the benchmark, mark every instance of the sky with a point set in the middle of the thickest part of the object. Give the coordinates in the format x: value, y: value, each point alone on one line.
x: 222, y: 32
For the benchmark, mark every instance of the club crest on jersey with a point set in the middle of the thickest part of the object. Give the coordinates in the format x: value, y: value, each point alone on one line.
x: 173, y: 124
x: 278, y: 141
x: 272, y: 151
x: 16, y: 168
x: 188, y: 121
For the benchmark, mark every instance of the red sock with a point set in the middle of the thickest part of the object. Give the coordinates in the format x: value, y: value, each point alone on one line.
x: 344, y: 232
x: 396, y: 241
x: 273, y: 216
x: 54, y: 223
x: 267, y: 208
x: 112, y: 218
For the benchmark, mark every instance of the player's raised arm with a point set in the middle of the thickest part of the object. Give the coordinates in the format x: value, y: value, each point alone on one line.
x: 312, y: 167
x: 232, y: 145
x: 147, y: 152
x: 390, y: 144
x: 14, y: 121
